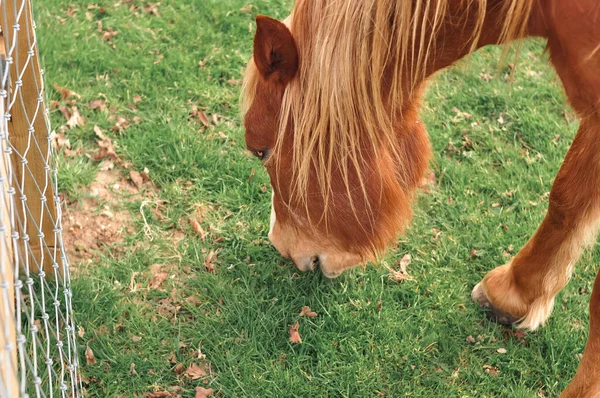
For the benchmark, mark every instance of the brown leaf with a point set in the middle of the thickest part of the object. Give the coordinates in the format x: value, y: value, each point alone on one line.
x: 306, y: 311
x: 65, y: 93
x: 208, y: 262
x: 108, y: 34
x: 72, y: 115
x: 80, y: 331
x: 203, y: 118
x: 490, y: 370
x: 202, y: 392
x: 97, y: 104
x: 137, y: 98
x: 404, y: 262
x: 136, y: 178
x: 122, y: 124
x: 158, y: 277
x: 195, y: 372
x: 161, y: 394
x: 294, y: 334
x: 136, y: 339
x: 89, y: 356
x: 152, y: 9
x: 198, y: 229
x: 178, y: 369
x: 132, y: 371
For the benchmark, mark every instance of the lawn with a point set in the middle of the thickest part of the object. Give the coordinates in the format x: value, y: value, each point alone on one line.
x: 175, y: 283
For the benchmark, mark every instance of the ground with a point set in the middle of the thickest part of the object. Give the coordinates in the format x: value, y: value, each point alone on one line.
x: 177, y: 290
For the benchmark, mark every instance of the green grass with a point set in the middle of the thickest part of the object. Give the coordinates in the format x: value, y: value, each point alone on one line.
x: 411, y: 344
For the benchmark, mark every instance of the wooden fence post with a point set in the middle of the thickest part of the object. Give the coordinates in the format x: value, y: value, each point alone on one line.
x: 8, y: 356
x: 29, y: 137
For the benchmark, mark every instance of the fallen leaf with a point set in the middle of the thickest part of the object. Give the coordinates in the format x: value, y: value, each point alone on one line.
x: 122, y: 124
x: 89, y: 356
x: 108, y: 34
x: 152, y: 9
x: 490, y: 370
x: 80, y: 331
x: 132, y: 371
x: 195, y: 372
x: 404, y: 262
x: 72, y: 115
x: 294, y: 334
x: 202, y: 392
x: 137, y: 98
x: 501, y: 350
x: 470, y: 339
x: 198, y: 229
x: 160, y: 394
x: 97, y: 104
x: 136, y: 178
x: 66, y: 93
x: 306, y: 311
x: 158, y: 277
x: 208, y: 262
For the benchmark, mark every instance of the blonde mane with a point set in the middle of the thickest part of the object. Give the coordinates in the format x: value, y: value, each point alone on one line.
x: 339, y: 103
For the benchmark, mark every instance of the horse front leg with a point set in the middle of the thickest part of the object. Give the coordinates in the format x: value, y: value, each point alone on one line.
x: 523, y: 290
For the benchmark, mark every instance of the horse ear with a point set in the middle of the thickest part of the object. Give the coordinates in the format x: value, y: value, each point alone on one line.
x: 275, y: 52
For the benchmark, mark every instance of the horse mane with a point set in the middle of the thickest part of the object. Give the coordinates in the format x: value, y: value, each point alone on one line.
x: 361, y: 62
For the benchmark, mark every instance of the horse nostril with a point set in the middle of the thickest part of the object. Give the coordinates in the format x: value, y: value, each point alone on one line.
x: 314, y: 262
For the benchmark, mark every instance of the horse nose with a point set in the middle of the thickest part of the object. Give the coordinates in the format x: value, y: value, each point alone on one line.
x: 307, y: 263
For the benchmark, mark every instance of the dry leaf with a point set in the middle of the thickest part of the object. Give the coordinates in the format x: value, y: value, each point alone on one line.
x: 80, y: 331
x: 198, y: 229
x: 492, y: 371
x: 152, y: 9
x: 294, y: 334
x: 208, y: 262
x: 137, y: 98
x: 161, y: 394
x: 89, y: 356
x: 501, y: 350
x: 158, y: 276
x: 306, y: 311
x: 195, y: 372
x: 72, y: 115
x: 65, y: 93
x: 132, y: 371
x: 136, y: 339
x: 108, y: 34
x: 202, y: 392
x: 136, y: 178
x: 404, y: 262
x: 122, y: 124
x: 97, y: 104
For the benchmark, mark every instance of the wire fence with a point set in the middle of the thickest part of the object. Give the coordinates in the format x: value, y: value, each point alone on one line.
x: 38, y: 351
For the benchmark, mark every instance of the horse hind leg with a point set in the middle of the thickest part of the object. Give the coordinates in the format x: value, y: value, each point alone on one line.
x: 523, y: 290
x: 586, y: 382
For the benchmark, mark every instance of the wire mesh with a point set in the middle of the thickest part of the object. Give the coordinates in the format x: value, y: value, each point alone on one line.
x: 38, y: 351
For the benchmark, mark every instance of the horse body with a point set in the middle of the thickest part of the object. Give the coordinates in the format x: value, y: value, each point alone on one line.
x: 332, y: 110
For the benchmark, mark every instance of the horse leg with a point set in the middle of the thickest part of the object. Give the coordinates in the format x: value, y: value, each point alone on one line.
x: 586, y: 382
x: 523, y: 290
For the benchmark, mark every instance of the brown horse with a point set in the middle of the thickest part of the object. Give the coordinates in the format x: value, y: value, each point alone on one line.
x: 331, y: 103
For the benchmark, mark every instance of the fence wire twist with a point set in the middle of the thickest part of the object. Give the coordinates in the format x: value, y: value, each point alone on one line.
x: 38, y: 351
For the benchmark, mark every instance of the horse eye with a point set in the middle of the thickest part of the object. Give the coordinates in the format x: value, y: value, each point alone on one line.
x: 261, y: 154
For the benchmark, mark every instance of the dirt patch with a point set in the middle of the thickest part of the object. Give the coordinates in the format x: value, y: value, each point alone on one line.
x: 99, y: 221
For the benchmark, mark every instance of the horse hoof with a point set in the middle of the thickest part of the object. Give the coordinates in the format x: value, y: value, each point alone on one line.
x: 493, y: 313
